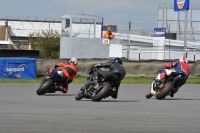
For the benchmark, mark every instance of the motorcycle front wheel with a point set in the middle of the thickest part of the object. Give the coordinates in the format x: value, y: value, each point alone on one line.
x: 79, y: 95
x: 149, y: 95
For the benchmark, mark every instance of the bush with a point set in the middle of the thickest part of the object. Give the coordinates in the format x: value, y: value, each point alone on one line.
x: 47, y: 42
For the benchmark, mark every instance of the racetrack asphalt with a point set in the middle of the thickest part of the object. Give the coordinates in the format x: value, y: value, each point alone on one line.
x: 23, y: 111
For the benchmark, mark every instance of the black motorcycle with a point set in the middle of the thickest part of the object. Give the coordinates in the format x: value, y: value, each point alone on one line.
x: 105, y: 88
x: 51, y: 83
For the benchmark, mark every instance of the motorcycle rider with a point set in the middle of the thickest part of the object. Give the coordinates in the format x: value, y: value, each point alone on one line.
x: 70, y: 70
x: 115, y: 65
x: 179, y: 66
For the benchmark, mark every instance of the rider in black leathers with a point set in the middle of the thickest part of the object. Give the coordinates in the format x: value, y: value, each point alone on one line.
x: 114, y: 66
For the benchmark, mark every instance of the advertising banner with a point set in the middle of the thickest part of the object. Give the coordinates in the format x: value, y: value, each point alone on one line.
x: 23, y: 68
x: 159, y: 43
x: 180, y: 5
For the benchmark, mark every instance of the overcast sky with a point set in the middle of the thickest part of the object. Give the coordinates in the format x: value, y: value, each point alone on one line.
x: 141, y: 13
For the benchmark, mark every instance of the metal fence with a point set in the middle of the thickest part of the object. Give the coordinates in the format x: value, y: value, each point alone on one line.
x: 147, y: 54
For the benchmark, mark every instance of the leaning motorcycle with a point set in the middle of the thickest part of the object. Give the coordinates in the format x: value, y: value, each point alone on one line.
x: 51, y: 83
x: 161, y: 89
x: 106, y: 82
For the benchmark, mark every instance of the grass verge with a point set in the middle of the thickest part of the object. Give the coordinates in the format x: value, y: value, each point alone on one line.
x: 81, y: 80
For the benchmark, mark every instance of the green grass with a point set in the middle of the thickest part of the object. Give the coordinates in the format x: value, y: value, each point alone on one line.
x: 81, y: 80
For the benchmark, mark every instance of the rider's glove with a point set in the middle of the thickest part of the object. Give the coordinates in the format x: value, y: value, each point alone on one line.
x: 97, y: 65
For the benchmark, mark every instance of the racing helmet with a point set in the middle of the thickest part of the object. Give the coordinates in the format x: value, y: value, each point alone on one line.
x: 118, y: 60
x: 74, y: 61
x: 183, y: 60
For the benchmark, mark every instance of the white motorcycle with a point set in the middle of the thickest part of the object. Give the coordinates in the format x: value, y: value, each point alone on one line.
x: 162, y: 88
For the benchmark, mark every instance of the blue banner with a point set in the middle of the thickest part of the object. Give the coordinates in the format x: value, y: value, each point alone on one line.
x: 180, y: 5
x: 159, y: 32
x: 23, y: 68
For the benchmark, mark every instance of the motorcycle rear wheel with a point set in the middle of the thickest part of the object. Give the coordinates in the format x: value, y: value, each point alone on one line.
x: 97, y: 96
x: 44, y: 87
x: 165, y: 90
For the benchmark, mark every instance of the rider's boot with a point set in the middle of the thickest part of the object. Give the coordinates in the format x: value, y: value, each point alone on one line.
x: 64, y: 90
x: 114, y: 93
x: 173, y: 92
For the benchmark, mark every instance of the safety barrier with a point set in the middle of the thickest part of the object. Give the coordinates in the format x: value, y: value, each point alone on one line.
x: 23, y: 68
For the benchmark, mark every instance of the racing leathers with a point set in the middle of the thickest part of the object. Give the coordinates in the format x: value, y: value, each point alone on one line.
x: 70, y: 71
x: 113, y: 67
x: 178, y: 67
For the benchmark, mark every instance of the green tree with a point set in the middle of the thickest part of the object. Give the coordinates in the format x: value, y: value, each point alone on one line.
x: 47, y: 42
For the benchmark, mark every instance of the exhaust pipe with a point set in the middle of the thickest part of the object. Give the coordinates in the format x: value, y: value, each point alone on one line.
x: 178, y: 78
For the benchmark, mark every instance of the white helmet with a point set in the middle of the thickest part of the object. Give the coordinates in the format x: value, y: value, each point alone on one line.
x: 183, y: 59
x: 74, y: 61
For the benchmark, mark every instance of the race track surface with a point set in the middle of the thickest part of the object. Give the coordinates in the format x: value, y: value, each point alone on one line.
x: 22, y: 111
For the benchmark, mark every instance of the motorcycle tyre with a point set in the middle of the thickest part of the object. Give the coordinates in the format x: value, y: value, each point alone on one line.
x: 44, y: 87
x: 149, y: 95
x: 79, y: 95
x: 164, y: 92
x: 102, y: 94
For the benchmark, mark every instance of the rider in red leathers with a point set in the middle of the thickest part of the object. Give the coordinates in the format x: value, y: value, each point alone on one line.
x: 180, y: 66
x: 69, y: 69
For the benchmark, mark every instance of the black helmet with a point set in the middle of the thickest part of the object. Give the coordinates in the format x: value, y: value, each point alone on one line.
x: 118, y: 60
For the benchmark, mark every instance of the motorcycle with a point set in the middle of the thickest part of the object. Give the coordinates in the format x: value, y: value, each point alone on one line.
x: 163, y: 88
x: 51, y: 83
x: 105, y: 89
